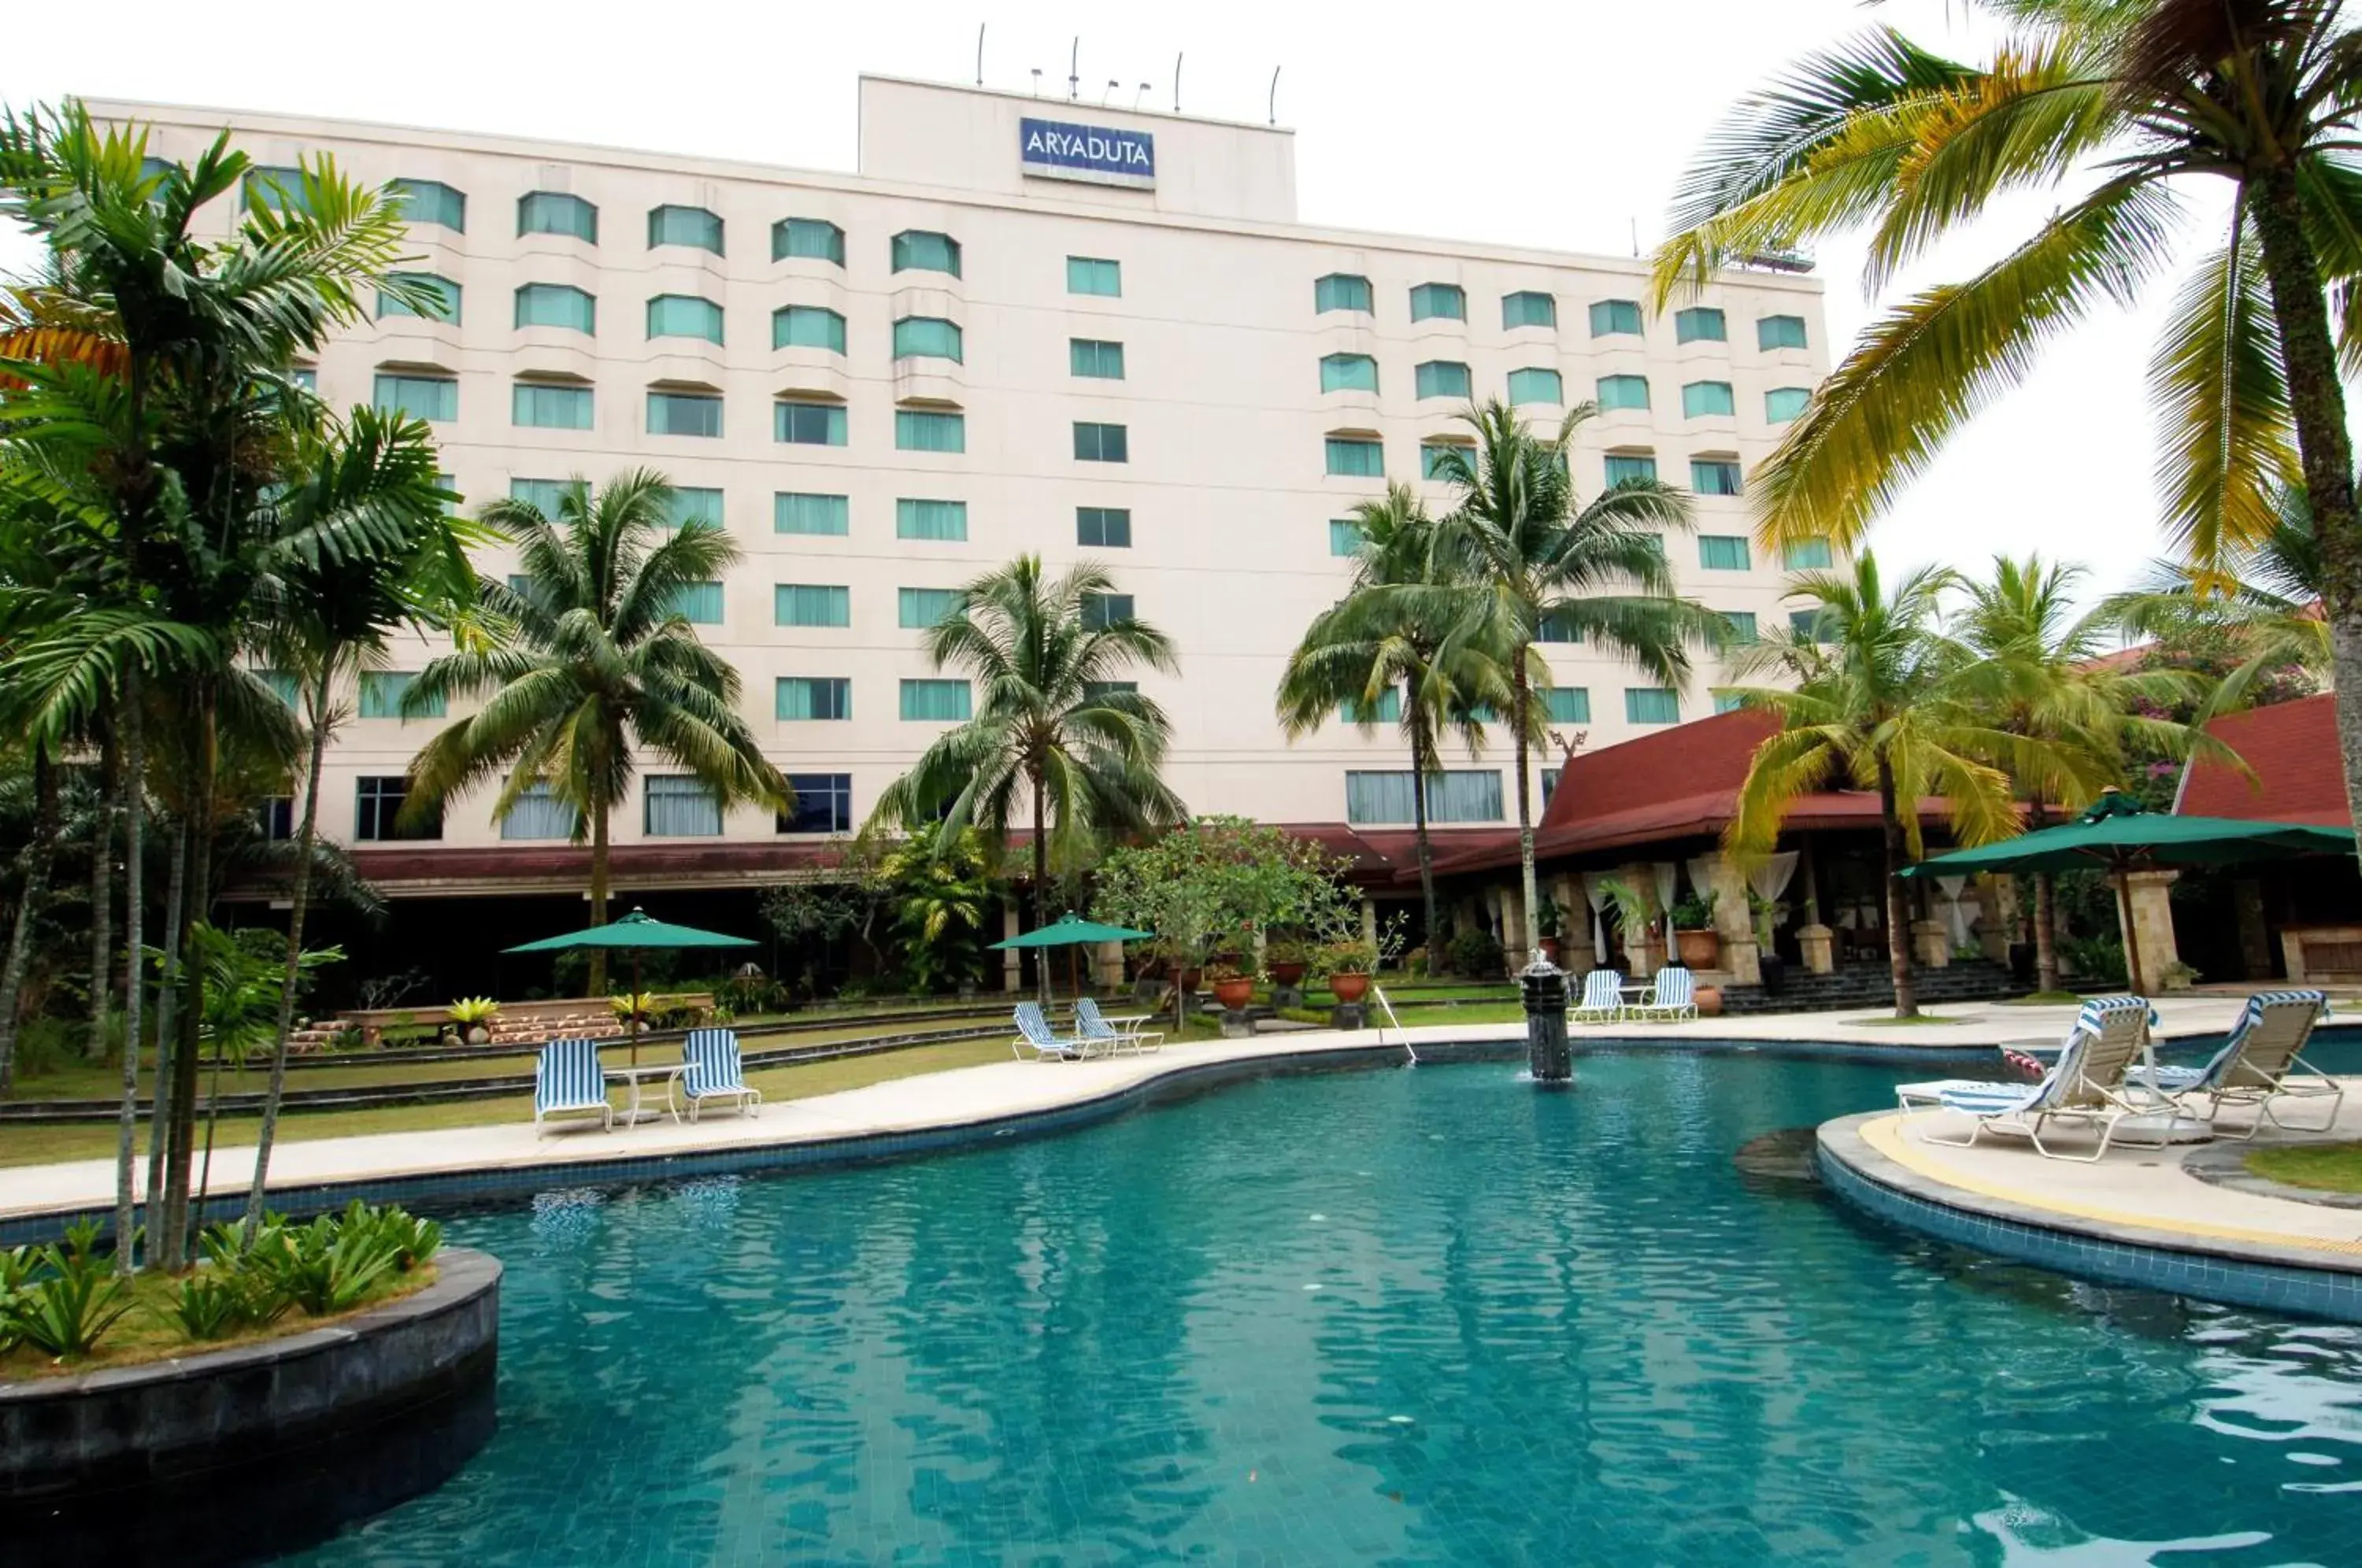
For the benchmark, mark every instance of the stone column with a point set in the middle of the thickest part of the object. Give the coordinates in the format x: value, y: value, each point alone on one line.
x: 2254, y: 937
x: 1370, y: 921
x: 1992, y: 916
x: 1931, y: 943
x: 2152, y: 923
x: 1513, y: 929
x: 1731, y: 922
x: 1818, y: 943
x: 1012, y: 963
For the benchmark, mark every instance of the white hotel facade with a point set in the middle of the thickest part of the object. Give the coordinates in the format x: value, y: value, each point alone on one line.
x: 1120, y: 345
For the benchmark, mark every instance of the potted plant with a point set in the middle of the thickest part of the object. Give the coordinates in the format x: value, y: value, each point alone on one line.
x: 1694, y: 937
x: 1349, y: 965
x: 474, y: 1016
x: 1233, y: 986
x: 1768, y: 915
x: 1546, y: 915
x: 1285, y: 958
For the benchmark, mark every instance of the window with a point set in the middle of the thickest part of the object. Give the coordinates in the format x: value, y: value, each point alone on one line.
x: 1102, y: 443
x: 557, y: 304
x: 1458, y: 795
x: 916, y: 250
x: 685, y: 504
x: 916, y: 609
x: 552, y: 212
x: 540, y: 405
x: 420, y: 397
x: 926, y: 337
x: 1344, y: 537
x: 801, y: 699
x: 1723, y: 552
x: 684, y: 316
x: 1625, y: 468
x: 537, y: 814
x: 808, y: 326
x: 1101, y: 611
x: 1739, y: 625
x: 698, y: 603
x: 1386, y: 709
x: 1567, y: 705
x: 1699, y: 324
x: 1342, y: 290
x: 936, y: 701
x: 1781, y: 404
x: 809, y: 424
x: 276, y: 816
x: 280, y: 189
x: 283, y: 684
x: 1557, y: 626
x: 1728, y: 702
x: 676, y: 806
x: 1714, y: 476
x: 384, y: 690
x: 443, y: 303
x: 811, y: 604
x: 916, y: 430
x: 1528, y: 308
x: 684, y: 413
x: 1438, y: 302
x: 1707, y: 400
x: 693, y: 227
x: 1356, y: 456
x: 1106, y: 527
x: 1348, y: 373
x: 545, y: 496
x: 1090, y: 356
x: 1441, y: 378
x: 378, y: 807
x: 1779, y: 332
x: 306, y: 377
x: 824, y: 804
x: 1536, y: 386
x: 1091, y: 275
x: 1615, y: 318
x: 1099, y: 690
x: 939, y: 520
x: 1623, y: 392
x: 1806, y: 555
x: 1650, y: 705
x: 1806, y: 625
x: 795, y: 512
x: 1432, y: 456
x: 431, y: 201
x: 810, y: 237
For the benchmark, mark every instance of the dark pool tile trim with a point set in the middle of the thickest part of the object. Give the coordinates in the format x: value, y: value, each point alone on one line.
x: 2232, y: 1272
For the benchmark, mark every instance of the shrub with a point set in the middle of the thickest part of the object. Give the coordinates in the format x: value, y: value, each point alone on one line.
x: 67, y: 1312
x: 1476, y: 953
x: 332, y: 1264
x: 216, y: 1302
x: 469, y: 1011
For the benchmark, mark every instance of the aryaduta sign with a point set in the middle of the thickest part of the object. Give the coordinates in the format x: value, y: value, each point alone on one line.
x: 1056, y: 150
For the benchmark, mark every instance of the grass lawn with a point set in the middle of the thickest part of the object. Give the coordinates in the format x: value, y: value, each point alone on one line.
x: 2330, y: 1167
x: 2046, y: 998
x: 1925, y: 1020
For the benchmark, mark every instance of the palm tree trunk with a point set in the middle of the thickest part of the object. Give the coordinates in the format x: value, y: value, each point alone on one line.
x: 1898, y: 897
x: 2046, y: 908
x: 168, y: 992
x: 177, y: 1231
x: 102, y: 901
x: 1041, y: 881
x: 1421, y: 759
x: 2317, y: 404
x: 598, y: 987
x: 298, y: 899
x: 39, y: 856
x: 134, y: 979
x: 1521, y: 700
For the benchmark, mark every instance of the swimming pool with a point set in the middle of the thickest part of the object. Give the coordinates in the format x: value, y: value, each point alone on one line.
x: 1423, y: 1316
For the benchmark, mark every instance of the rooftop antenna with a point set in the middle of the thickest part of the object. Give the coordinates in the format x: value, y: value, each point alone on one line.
x: 1636, y: 237
x: 979, y: 54
x: 1037, y: 82
x: 1111, y: 87
x: 1274, y: 105
x: 1074, y: 73
x: 1176, y: 83
x: 1136, y: 98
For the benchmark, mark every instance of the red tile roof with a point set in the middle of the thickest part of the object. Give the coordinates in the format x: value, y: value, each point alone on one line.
x: 2293, y: 747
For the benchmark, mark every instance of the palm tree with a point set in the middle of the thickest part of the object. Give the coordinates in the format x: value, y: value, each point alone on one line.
x: 1523, y: 552
x: 2121, y: 107
x: 1878, y: 704
x: 601, y: 666
x: 2261, y: 604
x: 1373, y: 642
x: 1060, y: 734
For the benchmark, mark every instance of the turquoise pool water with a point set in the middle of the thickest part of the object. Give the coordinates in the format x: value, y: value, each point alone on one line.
x: 1409, y: 1316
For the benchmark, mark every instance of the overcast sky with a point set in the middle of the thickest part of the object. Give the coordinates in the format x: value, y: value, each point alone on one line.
x: 1563, y: 125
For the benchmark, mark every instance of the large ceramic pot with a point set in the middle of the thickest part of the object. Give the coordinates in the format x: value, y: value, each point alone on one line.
x: 1187, y: 981
x: 479, y: 1035
x: 1775, y: 973
x: 1286, y: 974
x: 1554, y: 950
x: 1709, y: 1001
x: 1348, y: 988
x: 1699, y: 949
x: 1235, y: 994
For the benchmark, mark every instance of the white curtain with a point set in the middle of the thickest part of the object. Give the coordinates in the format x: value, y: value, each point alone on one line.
x: 1669, y: 877
x: 1595, y: 893
x: 1702, y: 875
x: 1956, y: 918
x: 1768, y: 878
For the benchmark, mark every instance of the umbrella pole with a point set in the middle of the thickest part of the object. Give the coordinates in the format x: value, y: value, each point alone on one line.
x: 2125, y: 928
x: 635, y: 1006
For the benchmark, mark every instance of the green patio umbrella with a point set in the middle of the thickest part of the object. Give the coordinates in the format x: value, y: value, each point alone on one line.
x: 2118, y: 835
x: 636, y: 934
x: 1072, y: 929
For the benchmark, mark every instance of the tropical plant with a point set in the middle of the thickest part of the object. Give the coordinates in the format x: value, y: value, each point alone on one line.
x: 1693, y: 911
x: 594, y: 664
x: 469, y: 1011
x: 2120, y: 106
x: 940, y: 884
x: 69, y: 1306
x: 2252, y: 623
x: 332, y: 1264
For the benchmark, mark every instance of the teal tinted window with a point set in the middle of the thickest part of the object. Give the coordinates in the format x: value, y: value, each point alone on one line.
x: 1091, y: 275
x: 1102, y: 443
x: 541, y: 406
x: 553, y: 212
x: 1714, y: 476
x: 306, y: 377
x: 1093, y: 358
x: 931, y: 520
x: 1650, y: 705
x: 916, y: 609
x: 1807, y: 626
x: 1557, y: 626
x: 1806, y: 555
x: 1434, y: 456
x: 1342, y: 290
x: 1706, y: 400
x: 796, y: 512
x: 1528, y: 308
x: 1723, y: 552
x: 809, y: 424
x: 1567, y: 705
x: 1700, y: 324
x: 810, y: 237
x: 673, y: 805
x: 1441, y: 378
x: 420, y: 397
x: 1728, y: 702
x: 1614, y: 318
x: 1781, y: 404
x: 808, y: 326
x: 1625, y: 467
x: 811, y: 604
x: 1386, y: 709
x: 283, y: 684
x: 693, y: 227
x: 1344, y: 537
x: 687, y: 503
x: 812, y: 697
x: 936, y: 701
x: 926, y: 337
x: 1351, y: 456
x: 1348, y: 373
x: 684, y: 316
x: 1623, y: 392
x: 916, y: 430
x: 1104, y: 527
x: 1740, y: 624
x: 1099, y: 690
x: 684, y: 413
x: 280, y: 189
x: 698, y: 603
x: 1779, y: 332
x: 382, y: 692
x: 1438, y: 302
x: 431, y: 201
x: 557, y: 304
x: 1101, y: 611
x: 545, y: 496
x: 918, y: 250
x: 442, y: 302
x: 1536, y: 385
x: 1455, y: 795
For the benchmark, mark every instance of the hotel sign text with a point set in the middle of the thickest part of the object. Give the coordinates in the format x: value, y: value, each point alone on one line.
x: 1056, y: 150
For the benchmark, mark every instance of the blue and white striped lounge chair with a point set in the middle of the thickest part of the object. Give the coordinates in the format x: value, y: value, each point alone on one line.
x: 1601, y: 1000
x: 2088, y: 1085
x: 1033, y: 1032
x: 2259, y: 1064
x: 1091, y: 1024
x: 568, y: 1081
x: 711, y: 1073
x: 1673, y: 999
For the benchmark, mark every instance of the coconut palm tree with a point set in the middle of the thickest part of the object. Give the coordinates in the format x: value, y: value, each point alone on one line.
x: 601, y: 666
x: 2123, y: 108
x: 2261, y: 606
x: 1061, y: 739
x: 1373, y: 643
x: 1523, y: 551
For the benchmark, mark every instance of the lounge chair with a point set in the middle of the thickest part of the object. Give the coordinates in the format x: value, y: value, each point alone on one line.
x: 568, y: 1081
x: 710, y: 1071
x: 1603, y: 999
x: 2088, y: 1085
x: 2260, y: 1063
x: 1091, y: 1024
x: 1673, y: 999
x: 1033, y: 1032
